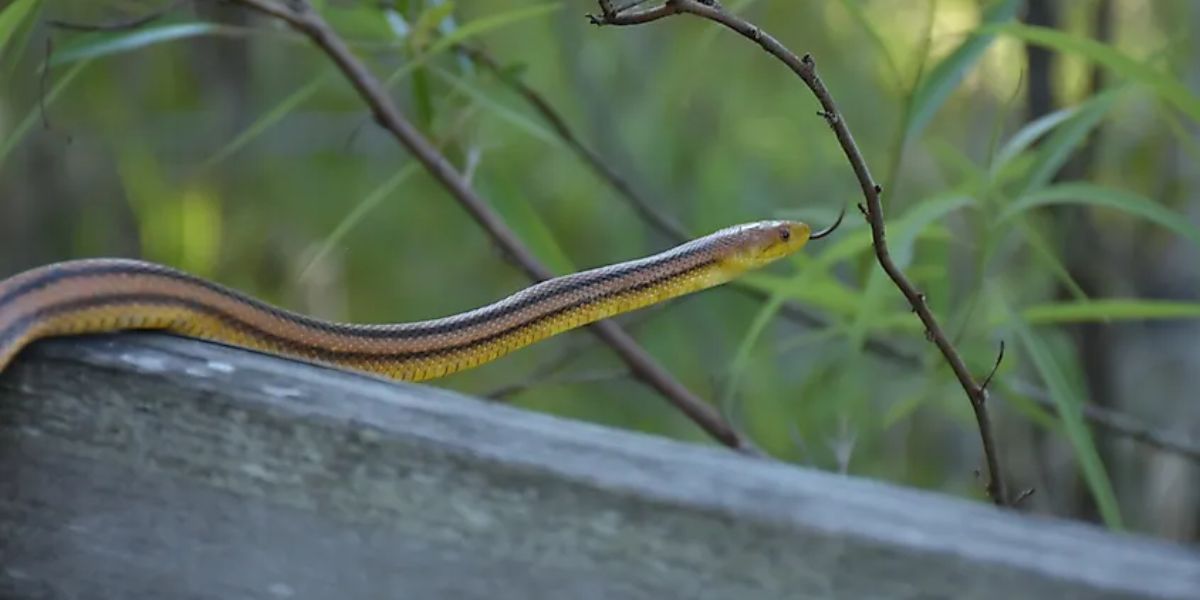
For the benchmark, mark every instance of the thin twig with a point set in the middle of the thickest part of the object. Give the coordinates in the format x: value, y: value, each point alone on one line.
x: 123, y: 25
x: 805, y: 68
x: 300, y: 17
x: 1116, y: 422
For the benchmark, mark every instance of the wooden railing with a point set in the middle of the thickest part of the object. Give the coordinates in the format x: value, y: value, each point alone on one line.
x: 144, y: 466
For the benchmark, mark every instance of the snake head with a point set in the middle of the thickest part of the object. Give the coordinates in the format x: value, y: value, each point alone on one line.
x: 768, y: 241
x: 754, y: 245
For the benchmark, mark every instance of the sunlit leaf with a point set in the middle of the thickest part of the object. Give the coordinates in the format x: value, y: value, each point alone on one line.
x: 426, y: 26
x: 490, y: 22
x: 1167, y: 87
x: 855, y: 9
x: 108, y: 43
x: 934, y: 89
x: 1030, y: 133
x: 11, y: 18
x: 1067, y: 398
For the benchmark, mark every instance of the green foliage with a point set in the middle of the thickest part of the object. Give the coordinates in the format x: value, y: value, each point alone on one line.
x: 1067, y: 397
x: 11, y: 17
x: 934, y: 89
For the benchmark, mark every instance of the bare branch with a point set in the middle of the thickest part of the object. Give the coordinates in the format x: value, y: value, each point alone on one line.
x: 300, y: 16
x: 805, y: 68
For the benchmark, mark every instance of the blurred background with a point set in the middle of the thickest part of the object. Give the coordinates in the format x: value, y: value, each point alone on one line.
x: 1040, y: 162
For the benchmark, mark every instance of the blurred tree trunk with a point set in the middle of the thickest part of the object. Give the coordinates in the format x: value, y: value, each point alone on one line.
x: 1082, y: 249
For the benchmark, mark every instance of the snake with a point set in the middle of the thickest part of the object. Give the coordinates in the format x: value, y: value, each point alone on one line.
x: 105, y: 295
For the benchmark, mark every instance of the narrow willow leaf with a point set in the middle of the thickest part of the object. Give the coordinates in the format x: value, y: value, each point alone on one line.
x: 11, y: 18
x: 1058, y: 148
x: 1111, y: 309
x: 1167, y: 87
x: 903, y: 234
x: 814, y: 288
x: 505, y: 113
x: 934, y: 89
x: 741, y: 358
x: 1068, y: 401
x: 1045, y: 254
x: 364, y: 206
x: 1090, y: 194
x: 1031, y: 132
x: 106, y: 44
x: 856, y: 12
x: 427, y: 24
x: 270, y: 118
x: 488, y: 23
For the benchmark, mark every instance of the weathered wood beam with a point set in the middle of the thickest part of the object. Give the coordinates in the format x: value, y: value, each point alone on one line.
x: 139, y: 466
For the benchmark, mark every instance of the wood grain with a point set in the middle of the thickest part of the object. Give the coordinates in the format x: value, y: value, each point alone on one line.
x: 141, y: 465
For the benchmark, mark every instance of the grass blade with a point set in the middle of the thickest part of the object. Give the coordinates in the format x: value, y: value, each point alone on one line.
x: 1108, y: 310
x: 1055, y: 151
x: 1068, y: 401
x: 488, y: 23
x: 106, y: 44
x: 364, y: 206
x: 270, y: 118
x: 1091, y: 194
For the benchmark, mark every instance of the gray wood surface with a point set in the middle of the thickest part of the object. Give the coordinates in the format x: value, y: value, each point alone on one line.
x: 143, y: 466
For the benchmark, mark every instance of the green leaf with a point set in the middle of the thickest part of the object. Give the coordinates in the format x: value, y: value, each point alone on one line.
x: 364, y: 206
x: 1045, y: 253
x: 1091, y: 194
x: 934, y: 89
x: 1056, y: 150
x: 1167, y: 87
x: 902, y: 233
x: 855, y: 9
x: 1027, y: 135
x: 106, y: 44
x: 507, y: 114
x: 488, y: 23
x: 426, y: 26
x: 1068, y: 401
x: 271, y: 117
x: 11, y: 18
x: 741, y: 358
x: 1107, y: 310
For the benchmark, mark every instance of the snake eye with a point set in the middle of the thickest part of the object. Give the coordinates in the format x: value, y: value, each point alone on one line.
x: 785, y: 233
